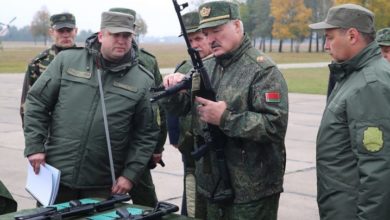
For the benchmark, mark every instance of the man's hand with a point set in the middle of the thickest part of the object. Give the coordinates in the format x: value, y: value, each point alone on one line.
x: 122, y: 186
x: 36, y: 160
x: 157, y: 158
x: 172, y: 79
x: 209, y: 111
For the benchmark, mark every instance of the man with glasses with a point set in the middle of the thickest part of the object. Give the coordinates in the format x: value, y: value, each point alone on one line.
x: 63, y: 31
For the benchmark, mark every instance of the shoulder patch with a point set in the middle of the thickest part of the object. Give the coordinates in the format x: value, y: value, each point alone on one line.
x: 146, y: 71
x: 373, y: 139
x: 146, y: 52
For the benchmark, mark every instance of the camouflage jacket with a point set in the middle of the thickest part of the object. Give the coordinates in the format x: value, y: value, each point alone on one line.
x: 353, y: 145
x: 254, y: 122
x: 7, y: 202
x: 34, y: 69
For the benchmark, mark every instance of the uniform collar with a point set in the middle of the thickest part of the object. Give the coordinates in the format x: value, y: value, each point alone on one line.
x: 342, y: 70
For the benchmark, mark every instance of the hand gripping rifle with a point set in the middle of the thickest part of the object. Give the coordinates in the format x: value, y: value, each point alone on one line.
x: 214, y: 138
x: 75, y: 209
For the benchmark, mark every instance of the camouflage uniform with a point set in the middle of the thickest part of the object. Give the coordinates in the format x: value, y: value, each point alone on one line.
x: 7, y: 203
x: 383, y: 37
x: 36, y: 67
x: 144, y: 192
x: 39, y: 64
x: 255, y: 124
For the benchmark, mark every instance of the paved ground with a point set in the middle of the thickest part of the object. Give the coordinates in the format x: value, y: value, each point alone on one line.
x: 298, y: 202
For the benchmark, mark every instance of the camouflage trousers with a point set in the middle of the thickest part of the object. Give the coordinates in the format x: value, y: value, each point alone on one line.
x: 263, y: 209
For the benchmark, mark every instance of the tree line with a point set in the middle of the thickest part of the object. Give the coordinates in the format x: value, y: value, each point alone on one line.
x: 265, y: 21
x: 288, y: 20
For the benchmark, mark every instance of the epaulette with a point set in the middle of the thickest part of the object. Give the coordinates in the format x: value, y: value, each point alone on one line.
x: 70, y: 48
x: 40, y: 56
x: 260, y: 58
x: 146, y: 71
x: 146, y: 52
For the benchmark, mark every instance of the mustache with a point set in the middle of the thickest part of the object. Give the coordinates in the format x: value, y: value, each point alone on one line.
x: 215, y: 44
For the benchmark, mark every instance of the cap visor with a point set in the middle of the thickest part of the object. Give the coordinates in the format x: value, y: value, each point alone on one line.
x: 115, y: 30
x: 63, y: 25
x: 321, y: 25
x: 190, y: 31
x: 213, y: 23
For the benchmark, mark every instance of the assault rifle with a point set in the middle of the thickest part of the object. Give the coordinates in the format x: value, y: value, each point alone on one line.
x: 213, y: 138
x: 75, y: 209
x: 161, y: 209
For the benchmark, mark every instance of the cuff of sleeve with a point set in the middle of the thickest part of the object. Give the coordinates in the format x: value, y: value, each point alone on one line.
x: 33, y: 149
x: 224, y: 119
x: 131, y: 175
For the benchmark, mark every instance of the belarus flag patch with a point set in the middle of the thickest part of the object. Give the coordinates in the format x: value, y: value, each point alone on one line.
x: 272, y: 96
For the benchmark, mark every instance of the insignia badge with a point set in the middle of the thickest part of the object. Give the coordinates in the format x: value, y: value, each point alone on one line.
x: 205, y: 12
x: 260, y: 59
x: 272, y: 97
x: 373, y: 139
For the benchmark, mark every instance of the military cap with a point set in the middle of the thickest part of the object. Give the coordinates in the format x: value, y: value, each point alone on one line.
x: 125, y: 11
x: 191, y: 22
x: 62, y: 20
x: 348, y: 16
x: 383, y: 37
x: 216, y: 13
x: 116, y: 22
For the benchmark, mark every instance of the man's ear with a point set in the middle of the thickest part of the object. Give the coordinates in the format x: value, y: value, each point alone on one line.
x: 100, y: 36
x: 354, y: 35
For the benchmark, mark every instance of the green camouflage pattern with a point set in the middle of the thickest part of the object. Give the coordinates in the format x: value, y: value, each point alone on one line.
x: 7, y: 202
x: 254, y: 126
x: 216, y: 13
x: 62, y: 20
x: 352, y: 180
x: 34, y: 69
x: 263, y: 209
x: 191, y: 21
x: 383, y: 37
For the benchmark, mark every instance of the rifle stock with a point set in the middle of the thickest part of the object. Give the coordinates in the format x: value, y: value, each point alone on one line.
x: 75, y: 209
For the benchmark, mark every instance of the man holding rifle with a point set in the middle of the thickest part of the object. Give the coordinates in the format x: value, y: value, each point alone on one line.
x: 251, y: 109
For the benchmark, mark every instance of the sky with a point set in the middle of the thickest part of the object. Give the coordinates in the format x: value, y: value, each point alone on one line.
x: 159, y: 15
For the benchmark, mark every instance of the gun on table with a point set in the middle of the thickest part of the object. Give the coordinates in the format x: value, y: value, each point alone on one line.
x: 161, y: 209
x: 75, y: 209
x: 214, y: 138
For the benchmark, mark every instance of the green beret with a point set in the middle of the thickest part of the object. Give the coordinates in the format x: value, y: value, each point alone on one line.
x: 216, y: 13
x: 383, y: 37
x: 62, y: 20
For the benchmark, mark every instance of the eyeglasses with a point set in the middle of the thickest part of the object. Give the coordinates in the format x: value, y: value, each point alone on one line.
x: 62, y: 30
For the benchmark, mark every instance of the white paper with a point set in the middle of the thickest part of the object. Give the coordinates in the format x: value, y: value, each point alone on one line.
x: 43, y: 186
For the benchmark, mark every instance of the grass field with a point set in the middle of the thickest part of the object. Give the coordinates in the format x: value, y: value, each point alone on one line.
x: 15, y: 57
